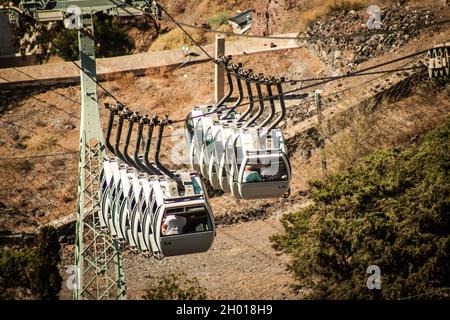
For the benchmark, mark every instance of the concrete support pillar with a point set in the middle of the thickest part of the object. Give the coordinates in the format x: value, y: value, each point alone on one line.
x: 219, y: 82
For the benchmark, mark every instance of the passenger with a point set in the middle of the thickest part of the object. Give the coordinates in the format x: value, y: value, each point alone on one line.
x: 173, y: 224
x: 196, y: 186
x: 209, y: 140
x: 251, y: 175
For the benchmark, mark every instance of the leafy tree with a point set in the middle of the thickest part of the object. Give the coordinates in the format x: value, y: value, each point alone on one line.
x: 35, y: 268
x: 111, y: 38
x: 46, y: 280
x: 15, y: 271
x: 175, y: 287
x: 392, y: 210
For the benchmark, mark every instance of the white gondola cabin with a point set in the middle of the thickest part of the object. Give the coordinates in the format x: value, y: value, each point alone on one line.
x: 257, y: 164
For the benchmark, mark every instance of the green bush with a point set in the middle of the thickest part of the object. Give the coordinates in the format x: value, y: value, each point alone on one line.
x: 15, y: 271
x: 175, y: 287
x: 392, y: 209
x: 218, y: 19
x: 35, y: 269
x: 111, y: 39
x: 46, y: 280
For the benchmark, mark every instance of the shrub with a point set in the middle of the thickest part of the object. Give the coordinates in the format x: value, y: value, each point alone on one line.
x: 218, y: 19
x: 15, y: 271
x: 175, y: 39
x: 312, y: 10
x: 23, y: 165
x: 392, y: 209
x: 46, y: 280
x: 41, y: 142
x: 175, y: 287
x: 111, y: 39
x: 35, y: 269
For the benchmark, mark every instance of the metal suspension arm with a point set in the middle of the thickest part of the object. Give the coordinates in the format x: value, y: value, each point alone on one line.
x: 140, y: 122
x: 112, y: 113
x: 124, y: 114
x: 127, y: 157
x: 236, y: 70
x: 282, y: 105
x: 150, y: 168
x: 260, y: 101
x: 247, y: 75
x: 271, y: 102
x: 117, y: 139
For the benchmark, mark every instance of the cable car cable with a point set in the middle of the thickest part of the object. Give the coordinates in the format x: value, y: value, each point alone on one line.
x: 41, y: 156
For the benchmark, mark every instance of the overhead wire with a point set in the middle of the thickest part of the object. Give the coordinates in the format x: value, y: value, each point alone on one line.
x: 326, y: 79
x: 30, y: 131
x: 41, y: 82
x: 373, y: 79
x: 350, y: 75
x: 46, y: 102
x: 187, y: 33
x: 121, y: 4
x: 440, y: 290
x: 40, y: 156
x: 309, y: 86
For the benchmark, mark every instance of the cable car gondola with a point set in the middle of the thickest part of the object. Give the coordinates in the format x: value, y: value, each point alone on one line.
x: 139, y: 207
x: 261, y: 151
x: 265, y: 156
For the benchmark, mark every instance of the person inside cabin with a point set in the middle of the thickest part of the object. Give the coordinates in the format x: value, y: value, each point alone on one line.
x: 173, y: 225
x: 251, y: 174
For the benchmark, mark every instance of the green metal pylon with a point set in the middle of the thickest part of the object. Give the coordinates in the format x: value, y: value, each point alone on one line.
x: 97, y: 256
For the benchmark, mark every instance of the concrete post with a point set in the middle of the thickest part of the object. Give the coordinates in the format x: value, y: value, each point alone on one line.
x: 219, y: 69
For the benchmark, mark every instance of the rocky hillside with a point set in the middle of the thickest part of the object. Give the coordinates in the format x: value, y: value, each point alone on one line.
x: 345, y: 54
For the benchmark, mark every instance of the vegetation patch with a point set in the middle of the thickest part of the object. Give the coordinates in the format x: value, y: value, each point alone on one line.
x: 176, y: 38
x: 32, y: 272
x: 218, y: 19
x: 312, y: 10
x: 111, y: 38
x: 391, y: 209
x: 174, y: 287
